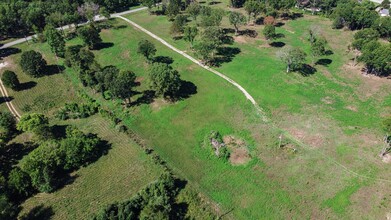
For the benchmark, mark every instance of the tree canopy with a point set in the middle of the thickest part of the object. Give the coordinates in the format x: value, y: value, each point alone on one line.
x: 33, y: 63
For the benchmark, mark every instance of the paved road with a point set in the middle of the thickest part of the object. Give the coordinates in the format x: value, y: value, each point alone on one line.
x: 97, y: 18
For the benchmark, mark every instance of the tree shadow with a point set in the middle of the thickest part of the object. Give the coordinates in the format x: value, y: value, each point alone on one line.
x: 291, y: 16
x: 226, y: 39
x: 59, y: 131
x: 329, y: 52
x: 6, y: 99
x: 260, y: 21
x: 279, y: 24
x: 163, y: 59
x: 249, y: 33
x: 225, y: 55
x: 8, y: 52
x: 40, y: 212
x: 12, y: 153
x: 26, y: 85
x: 279, y: 35
x: 147, y: 98
x: 277, y: 44
x: 228, y: 30
x: 307, y: 70
x: 104, y: 45
x: 214, y: 2
x: 324, y: 62
x: 120, y: 27
x: 186, y: 90
x: 177, y: 37
x: 53, y: 69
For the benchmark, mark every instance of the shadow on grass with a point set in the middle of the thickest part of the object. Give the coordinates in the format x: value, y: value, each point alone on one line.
x: 40, y: 212
x: 279, y: 24
x: 12, y: 153
x: 225, y: 55
x: 147, y: 98
x: 163, y: 59
x: 279, y: 35
x: 26, y: 85
x: 104, y: 45
x: 324, y: 62
x: 8, y: 52
x: 249, y: 33
x: 186, y: 90
x: 277, y: 44
x: 53, y: 69
x: 307, y: 70
x: 120, y: 27
x: 5, y: 99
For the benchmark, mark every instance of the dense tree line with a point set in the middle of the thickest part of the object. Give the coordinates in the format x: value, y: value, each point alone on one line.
x: 20, y: 17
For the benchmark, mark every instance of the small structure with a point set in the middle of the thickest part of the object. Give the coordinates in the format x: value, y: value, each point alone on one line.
x: 217, y: 145
x: 383, y: 12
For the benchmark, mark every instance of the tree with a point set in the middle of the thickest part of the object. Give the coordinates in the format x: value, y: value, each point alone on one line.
x: 88, y: 10
x: 90, y: 36
x: 376, y: 57
x: 269, y: 31
x: 236, y: 3
x: 147, y: 49
x: 149, y: 4
x: 194, y: 10
x: 253, y: 8
x: 387, y: 125
x: 178, y: 24
x: 106, y: 77
x: 318, y: 48
x: 173, y: 8
x: 211, y: 17
x: 190, y: 34
x: 364, y: 36
x: 385, y: 4
x: 313, y: 33
x: 383, y: 26
x: 122, y: 87
x: 55, y: 40
x: 10, y: 79
x: 36, y: 123
x: 237, y: 19
x: 292, y: 57
x: 32, y: 63
x: 164, y: 80
x: 7, y: 209
x: 104, y: 12
x: 7, y: 126
x: 19, y: 182
x: 205, y: 49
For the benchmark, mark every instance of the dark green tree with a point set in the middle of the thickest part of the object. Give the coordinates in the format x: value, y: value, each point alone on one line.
x: 237, y: 19
x: 123, y: 85
x: 19, y: 182
x: 194, y: 10
x: 7, y: 126
x: 190, y: 34
x: 10, y: 79
x: 364, y: 36
x: 178, y: 25
x: 32, y: 63
x: 55, y: 40
x: 269, y: 31
x: 147, y: 49
x: 164, y: 80
x: 90, y: 36
x: 292, y: 57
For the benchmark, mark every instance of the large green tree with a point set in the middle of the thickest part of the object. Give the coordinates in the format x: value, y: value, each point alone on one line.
x: 292, y: 57
x: 147, y: 49
x: 164, y: 80
x: 55, y: 40
x: 33, y: 63
x: 190, y: 34
x: 236, y: 19
x: 90, y: 36
x: 10, y: 79
x: 123, y: 85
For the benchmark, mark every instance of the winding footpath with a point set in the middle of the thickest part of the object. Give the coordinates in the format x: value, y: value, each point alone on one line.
x: 260, y: 111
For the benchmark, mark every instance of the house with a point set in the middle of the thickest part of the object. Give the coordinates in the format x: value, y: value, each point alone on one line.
x: 383, y: 12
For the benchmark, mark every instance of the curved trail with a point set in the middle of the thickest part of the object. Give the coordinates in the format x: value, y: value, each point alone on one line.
x: 260, y: 111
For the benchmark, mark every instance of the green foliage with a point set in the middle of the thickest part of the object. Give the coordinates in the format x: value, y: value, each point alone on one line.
x: 211, y: 16
x: 194, y: 10
x: 362, y: 37
x: 32, y: 63
x: 236, y: 19
x: 55, y: 40
x: 173, y: 8
x: 292, y: 57
x: 7, y: 126
x: 178, y: 24
x: 385, y: 4
x: 90, y: 36
x: 104, y: 12
x: 387, y: 125
x: 318, y: 48
x: 269, y: 31
x: 19, y: 182
x: 153, y: 202
x: 190, y: 34
x: 77, y: 110
x: 214, y: 142
x: 31, y: 122
x: 146, y: 48
x: 10, y: 79
x: 123, y: 84
x: 383, y: 26
x: 354, y: 15
x: 164, y: 80
x: 7, y: 209
x: 254, y: 8
x: 376, y: 57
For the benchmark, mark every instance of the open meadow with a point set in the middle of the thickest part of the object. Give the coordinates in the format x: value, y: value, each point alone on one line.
x: 329, y: 165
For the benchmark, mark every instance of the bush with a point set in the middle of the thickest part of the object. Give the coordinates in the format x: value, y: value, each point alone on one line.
x: 7, y: 126
x: 10, y: 80
x: 19, y: 182
x: 33, y: 63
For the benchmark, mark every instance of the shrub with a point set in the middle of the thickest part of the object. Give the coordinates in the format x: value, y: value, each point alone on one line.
x: 33, y: 63
x: 10, y: 80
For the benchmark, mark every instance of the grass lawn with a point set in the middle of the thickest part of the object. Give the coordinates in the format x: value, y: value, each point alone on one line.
x: 276, y: 184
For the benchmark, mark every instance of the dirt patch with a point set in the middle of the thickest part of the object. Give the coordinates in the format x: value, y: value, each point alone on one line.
x: 3, y: 64
x: 386, y: 158
x: 240, y: 39
x: 351, y: 108
x: 327, y: 100
x: 139, y: 79
x: 158, y: 104
x: 313, y: 140
x: 239, y: 156
x: 239, y: 152
x: 125, y: 54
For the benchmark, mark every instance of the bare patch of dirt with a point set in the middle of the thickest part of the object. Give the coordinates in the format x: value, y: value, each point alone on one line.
x: 139, y: 79
x: 386, y: 158
x: 239, y: 156
x: 240, y: 39
x: 158, y: 104
x: 328, y: 100
x: 239, y: 152
x: 314, y: 140
x: 125, y: 54
x: 3, y: 64
x: 351, y: 108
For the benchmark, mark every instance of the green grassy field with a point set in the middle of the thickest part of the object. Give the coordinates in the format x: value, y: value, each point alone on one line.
x: 276, y: 184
